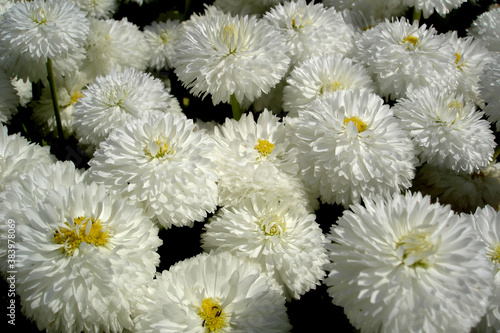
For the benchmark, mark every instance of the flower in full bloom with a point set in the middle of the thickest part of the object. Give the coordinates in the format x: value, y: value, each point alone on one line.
x: 350, y: 146
x: 447, y: 130
x: 115, y: 99
x: 243, y: 7
x: 428, y: 7
x: 113, y: 44
x: 311, y: 29
x: 69, y: 90
x: 33, y: 31
x: 321, y: 76
x: 471, y: 57
x: 489, y: 90
x: 163, y: 164
x: 487, y: 223
x: 406, y: 264
x: 463, y: 192
x: 213, y: 292
x: 161, y: 38
x: 80, y: 257
x: 9, y: 100
x: 17, y: 155
x: 286, y: 241
x: 402, y: 56
x: 222, y: 55
x: 486, y: 27
x: 253, y: 157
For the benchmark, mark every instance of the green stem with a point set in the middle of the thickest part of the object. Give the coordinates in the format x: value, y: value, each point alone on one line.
x: 417, y: 14
x: 55, y: 103
x: 235, y: 105
x: 497, y: 152
x: 187, y: 8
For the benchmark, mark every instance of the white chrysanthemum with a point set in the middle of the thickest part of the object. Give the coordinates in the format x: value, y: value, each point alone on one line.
x: 162, y: 163
x: 311, y: 29
x: 321, y: 76
x: 221, y: 55
x: 117, y: 98
x: 402, y: 56
x: 28, y: 190
x: 161, y: 38
x: 404, y: 264
x: 33, y: 31
x: 100, y: 9
x: 352, y: 147
x: 216, y: 292
x: 471, y: 57
x: 69, y: 90
x: 486, y: 27
x: 17, y: 155
x: 448, y: 132
x: 113, y: 44
x: 286, y: 241
x: 371, y: 9
x: 244, y: 7
x: 464, y: 193
x: 487, y: 222
x: 254, y: 158
x: 489, y: 90
x: 428, y: 7
x: 9, y: 100
x: 80, y: 257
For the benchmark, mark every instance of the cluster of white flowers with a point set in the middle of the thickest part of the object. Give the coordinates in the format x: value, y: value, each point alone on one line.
x: 345, y: 104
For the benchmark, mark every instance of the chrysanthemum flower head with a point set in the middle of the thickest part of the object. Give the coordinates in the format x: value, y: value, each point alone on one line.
x: 447, y: 130
x: 321, y: 76
x: 80, y: 257
x: 17, y: 155
x: 402, y: 56
x: 404, y: 264
x: 33, y: 31
x: 161, y: 38
x: 350, y: 146
x: 463, y: 192
x: 115, y: 99
x: 486, y: 27
x: 311, y: 29
x: 163, y: 164
x: 286, y: 241
x: 221, y: 55
x: 99, y: 9
x: 213, y: 292
x: 253, y: 157
x: 113, y: 44
x: 428, y: 7
x: 9, y: 100
x: 487, y: 223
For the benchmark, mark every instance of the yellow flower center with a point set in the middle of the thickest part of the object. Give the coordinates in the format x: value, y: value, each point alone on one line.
x: 331, y: 87
x: 411, y: 40
x: 40, y: 17
x: 358, y: 122
x: 264, y: 147
x: 273, y: 225
x: 494, y: 253
x: 416, y: 248
x: 213, y: 317
x: 164, y: 37
x: 84, y: 230
x: 230, y: 37
x: 298, y: 21
x: 75, y: 97
x: 159, y: 148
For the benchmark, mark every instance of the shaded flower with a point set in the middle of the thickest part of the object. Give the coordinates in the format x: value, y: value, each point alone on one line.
x: 428, y: 7
x: 161, y: 38
x: 486, y: 27
x: 9, y: 100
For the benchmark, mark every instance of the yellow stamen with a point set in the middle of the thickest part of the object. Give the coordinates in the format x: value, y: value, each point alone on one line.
x: 212, y: 314
x: 84, y: 229
x: 159, y: 148
x: 264, y: 147
x: 75, y: 97
x: 358, y: 122
x: 494, y: 253
x: 273, y: 225
x: 416, y: 248
x: 411, y: 39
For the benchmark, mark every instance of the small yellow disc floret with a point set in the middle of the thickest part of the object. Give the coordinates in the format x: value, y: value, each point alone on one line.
x: 264, y: 147
x: 213, y: 317
x: 84, y: 229
x: 358, y: 122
